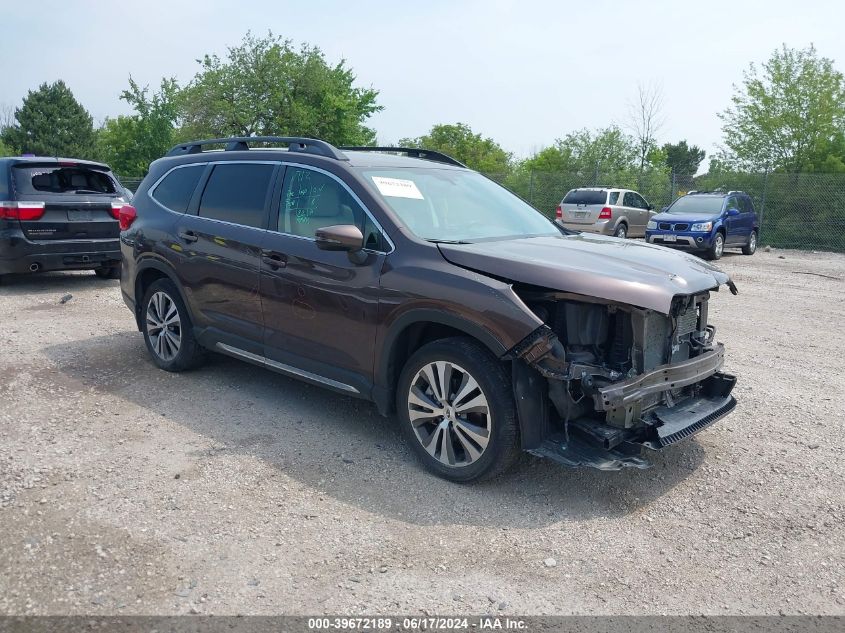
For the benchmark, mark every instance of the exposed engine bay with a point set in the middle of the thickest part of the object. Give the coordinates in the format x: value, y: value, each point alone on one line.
x: 618, y: 377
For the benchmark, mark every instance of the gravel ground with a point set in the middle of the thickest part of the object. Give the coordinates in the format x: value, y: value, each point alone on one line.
x: 124, y: 489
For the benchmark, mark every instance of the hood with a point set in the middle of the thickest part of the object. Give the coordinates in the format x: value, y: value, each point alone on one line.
x: 690, y: 218
x: 624, y: 271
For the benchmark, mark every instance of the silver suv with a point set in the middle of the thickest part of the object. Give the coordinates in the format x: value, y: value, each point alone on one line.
x: 618, y: 212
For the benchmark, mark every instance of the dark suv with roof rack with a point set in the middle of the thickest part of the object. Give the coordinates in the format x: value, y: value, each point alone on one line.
x: 402, y: 277
x: 59, y: 214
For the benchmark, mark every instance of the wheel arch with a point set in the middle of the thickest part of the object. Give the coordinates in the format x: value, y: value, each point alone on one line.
x: 410, y: 332
x: 148, y: 273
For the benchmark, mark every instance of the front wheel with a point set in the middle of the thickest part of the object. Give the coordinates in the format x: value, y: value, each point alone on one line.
x: 718, y: 247
x: 751, y: 247
x: 621, y: 231
x: 168, y: 332
x: 455, y: 404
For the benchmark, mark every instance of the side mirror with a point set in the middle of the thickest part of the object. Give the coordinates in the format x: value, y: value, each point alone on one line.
x: 650, y: 207
x: 663, y: 210
x: 733, y: 211
x: 339, y: 237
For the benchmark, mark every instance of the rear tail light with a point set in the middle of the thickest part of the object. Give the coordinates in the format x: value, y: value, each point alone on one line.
x: 605, y: 214
x: 127, y: 216
x: 115, y: 209
x: 25, y: 211
x: 558, y: 212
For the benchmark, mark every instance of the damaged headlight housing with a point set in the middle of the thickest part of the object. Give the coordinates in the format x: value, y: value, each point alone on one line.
x: 651, y: 225
x: 702, y: 227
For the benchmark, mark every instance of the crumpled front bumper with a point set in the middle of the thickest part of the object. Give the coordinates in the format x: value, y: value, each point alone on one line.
x: 665, y: 377
x: 606, y: 448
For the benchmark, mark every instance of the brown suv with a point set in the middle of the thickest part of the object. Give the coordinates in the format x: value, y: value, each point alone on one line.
x: 402, y: 277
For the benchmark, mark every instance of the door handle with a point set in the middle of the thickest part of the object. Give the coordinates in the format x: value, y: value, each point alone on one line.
x: 274, y: 260
x: 188, y: 236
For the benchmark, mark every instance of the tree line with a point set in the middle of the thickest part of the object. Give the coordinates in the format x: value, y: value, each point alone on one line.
x: 787, y: 115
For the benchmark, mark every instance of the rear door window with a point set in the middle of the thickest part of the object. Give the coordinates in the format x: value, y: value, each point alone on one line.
x: 177, y: 188
x: 585, y: 196
x: 238, y: 193
x: 61, y: 179
x: 745, y: 205
x: 628, y: 200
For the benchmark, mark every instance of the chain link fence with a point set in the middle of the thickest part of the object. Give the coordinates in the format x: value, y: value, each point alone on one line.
x: 130, y: 182
x: 804, y: 211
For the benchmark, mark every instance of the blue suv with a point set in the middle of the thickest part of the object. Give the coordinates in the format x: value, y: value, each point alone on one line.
x: 707, y: 222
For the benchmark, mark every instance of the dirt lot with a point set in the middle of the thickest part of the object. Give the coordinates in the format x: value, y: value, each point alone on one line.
x: 124, y: 489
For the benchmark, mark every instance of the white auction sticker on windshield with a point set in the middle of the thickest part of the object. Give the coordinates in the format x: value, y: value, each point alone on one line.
x: 397, y: 188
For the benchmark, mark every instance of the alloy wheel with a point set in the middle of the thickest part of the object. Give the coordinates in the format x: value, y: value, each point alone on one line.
x: 164, y: 326
x: 752, y: 242
x: 720, y: 245
x: 449, y: 414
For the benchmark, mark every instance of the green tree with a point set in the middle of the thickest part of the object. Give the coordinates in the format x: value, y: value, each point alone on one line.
x: 603, y: 151
x: 51, y: 122
x: 788, y: 114
x: 681, y: 158
x: 130, y: 143
x: 265, y: 86
x: 461, y: 143
x: 605, y: 156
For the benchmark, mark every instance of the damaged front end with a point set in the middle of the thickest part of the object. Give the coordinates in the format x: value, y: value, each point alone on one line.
x: 600, y: 380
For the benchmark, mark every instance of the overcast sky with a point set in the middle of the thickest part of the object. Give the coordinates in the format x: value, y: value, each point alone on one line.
x: 523, y: 72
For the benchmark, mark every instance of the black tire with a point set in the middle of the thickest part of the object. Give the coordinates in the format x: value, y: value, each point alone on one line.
x: 621, y: 231
x: 189, y: 353
x: 751, y: 247
x: 112, y: 272
x: 466, y: 357
x: 715, y: 251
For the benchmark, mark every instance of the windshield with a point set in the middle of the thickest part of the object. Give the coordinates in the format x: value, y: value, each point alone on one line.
x: 585, y: 196
x: 706, y: 205
x: 451, y: 205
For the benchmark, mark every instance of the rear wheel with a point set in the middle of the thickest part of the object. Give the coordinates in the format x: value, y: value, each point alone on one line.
x: 751, y: 247
x: 717, y: 248
x: 455, y: 403
x: 168, y: 332
x: 112, y: 272
x: 621, y: 231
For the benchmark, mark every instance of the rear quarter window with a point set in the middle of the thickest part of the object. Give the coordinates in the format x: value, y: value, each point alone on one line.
x: 177, y: 188
x: 585, y: 196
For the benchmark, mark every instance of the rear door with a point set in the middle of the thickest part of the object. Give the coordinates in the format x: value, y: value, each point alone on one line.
x: 746, y: 209
x: 582, y: 206
x: 77, y: 201
x: 219, y: 241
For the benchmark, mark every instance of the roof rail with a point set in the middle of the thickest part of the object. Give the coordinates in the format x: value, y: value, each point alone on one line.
x: 412, y: 152
x: 241, y: 143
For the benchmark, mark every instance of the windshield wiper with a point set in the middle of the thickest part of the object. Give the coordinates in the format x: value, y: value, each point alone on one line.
x: 87, y: 191
x: 433, y: 241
